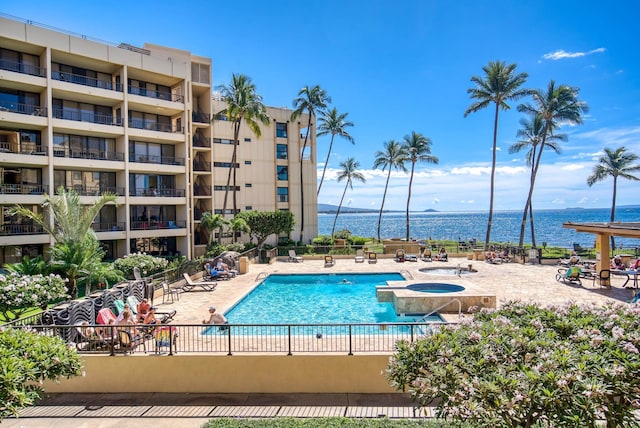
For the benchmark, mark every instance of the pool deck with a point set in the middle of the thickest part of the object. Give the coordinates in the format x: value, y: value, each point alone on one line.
x: 510, y: 281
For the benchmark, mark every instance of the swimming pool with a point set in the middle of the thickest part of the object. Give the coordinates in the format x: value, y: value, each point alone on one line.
x: 318, y: 299
x: 436, y: 287
x: 445, y: 271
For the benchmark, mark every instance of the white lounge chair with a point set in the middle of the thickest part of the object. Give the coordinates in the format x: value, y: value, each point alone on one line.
x: 359, y: 256
x: 293, y: 257
x: 205, y: 285
x: 328, y: 261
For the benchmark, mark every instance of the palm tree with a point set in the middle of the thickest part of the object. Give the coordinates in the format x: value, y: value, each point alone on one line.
x: 76, y: 249
x: 556, y: 106
x: 393, y: 157
x: 349, y: 172
x: 499, y: 85
x: 418, y: 149
x: 334, y: 123
x: 212, y: 222
x: 309, y: 100
x: 243, y: 103
x: 614, y: 163
x: 531, y: 134
x: 238, y: 224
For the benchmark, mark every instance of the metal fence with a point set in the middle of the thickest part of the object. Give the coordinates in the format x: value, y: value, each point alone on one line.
x: 233, y: 339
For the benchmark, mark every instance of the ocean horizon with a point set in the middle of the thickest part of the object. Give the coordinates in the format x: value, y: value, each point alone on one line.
x: 473, y: 224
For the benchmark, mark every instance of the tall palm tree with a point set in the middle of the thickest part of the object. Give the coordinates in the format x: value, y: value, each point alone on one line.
x: 499, y: 85
x: 212, y: 222
x: 334, y: 123
x: 393, y: 157
x: 418, y: 149
x: 531, y: 137
x: 309, y: 100
x: 614, y: 163
x: 76, y: 249
x: 350, y: 173
x: 238, y: 224
x: 243, y: 103
x: 557, y: 105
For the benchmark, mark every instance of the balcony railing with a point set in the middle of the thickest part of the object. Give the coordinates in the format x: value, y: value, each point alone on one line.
x: 24, y: 189
x: 200, y: 165
x: 157, y: 192
x: 24, y: 149
x: 108, y: 226
x: 86, y: 81
x: 63, y: 152
x: 158, y: 224
x: 20, y: 67
x: 96, y: 191
x: 30, y: 109
x: 159, y: 95
x: 102, y: 119
x: 162, y: 160
x: 21, y: 229
x: 283, y: 198
x: 201, y: 117
x: 199, y: 141
x: 153, y: 126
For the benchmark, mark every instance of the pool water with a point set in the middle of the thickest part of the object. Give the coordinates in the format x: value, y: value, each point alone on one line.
x: 318, y: 299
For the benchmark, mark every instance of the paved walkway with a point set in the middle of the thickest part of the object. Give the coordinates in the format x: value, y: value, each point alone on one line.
x: 535, y: 283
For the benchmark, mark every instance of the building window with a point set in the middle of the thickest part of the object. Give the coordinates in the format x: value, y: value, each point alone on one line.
x: 248, y: 140
x: 248, y: 185
x: 283, y: 172
x: 248, y: 207
x: 222, y: 141
x: 225, y: 165
x: 283, y: 194
x: 227, y: 211
x: 247, y: 162
x: 224, y: 188
x: 282, y: 151
x: 281, y: 130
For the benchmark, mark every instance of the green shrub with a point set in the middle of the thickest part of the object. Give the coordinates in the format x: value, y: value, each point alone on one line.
x: 358, y: 240
x: 147, y: 264
x: 19, y: 293
x: 342, y: 234
x: 323, y: 240
x: 285, y: 422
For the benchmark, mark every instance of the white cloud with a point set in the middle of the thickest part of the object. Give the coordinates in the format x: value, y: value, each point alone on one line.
x: 435, y: 200
x: 562, y: 54
x: 572, y: 167
x: 558, y: 201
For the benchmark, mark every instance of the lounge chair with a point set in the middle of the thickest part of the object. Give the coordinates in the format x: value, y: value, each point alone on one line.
x: 359, y: 258
x: 105, y: 315
x: 400, y: 256
x: 569, y: 276
x: 571, y: 261
x: 166, y: 337
x: 127, y: 343
x: 293, y: 257
x: 90, y: 341
x: 163, y: 316
x: 373, y: 257
x: 426, y: 255
x: 328, y: 261
x: 205, y: 285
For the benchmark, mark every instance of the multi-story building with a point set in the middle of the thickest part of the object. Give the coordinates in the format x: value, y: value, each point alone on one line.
x: 97, y: 117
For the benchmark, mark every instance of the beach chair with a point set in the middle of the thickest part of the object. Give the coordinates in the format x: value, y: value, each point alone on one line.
x: 400, y: 256
x: 127, y: 343
x: 104, y: 315
x: 166, y: 338
x: 571, y: 261
x: 426, y: 255
x: 373, y: 257
x: 169, y: 293
x: 328, y: 261
x: 89, y: 340
x: 359, y: 258
x: 293, y: 257
x: 205, y: 285
x: 569, y: 276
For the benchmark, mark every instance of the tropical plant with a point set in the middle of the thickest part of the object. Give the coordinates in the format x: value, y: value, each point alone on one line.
x: 309, y: 100
x: 334, y: 123
x: 76, y: 260
x: 27, y: 359
x: 614, y: 163
x: 564, y: 366
x: 29, y: 266
x: 102, y: 275
x: 147, y: 264
x: 238, y: 225
x: 266, y: 223
x: 212, y: 222
x: 393, y: 157
x: 20, y: 293
x: 243, y: 103
x: 499, y: 85
x: 556, y: 106
x: 349, y: 172
x: 418, y: 149
x: 531, y: 137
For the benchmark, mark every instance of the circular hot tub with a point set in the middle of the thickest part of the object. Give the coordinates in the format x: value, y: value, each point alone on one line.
x: 435, y: 287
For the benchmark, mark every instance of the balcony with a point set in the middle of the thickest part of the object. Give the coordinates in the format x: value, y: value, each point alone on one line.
x: 64, y: 152
x: 24, y: 189
x: 108, y: 227
x: 21, y: 229
x: 158, y: 224
x: 154, y: 126
x: 25, y: 148
x: 159, y: 95
x: 167, y: 193
x: 160, y: 160
x: 200, y: 165
x: 199, y: 141
x: 20, y: 67
x: 29, y: 109
x: 96, y: 191
x: 102, y: 119
x: 201, y: 117
x: 86, y: 81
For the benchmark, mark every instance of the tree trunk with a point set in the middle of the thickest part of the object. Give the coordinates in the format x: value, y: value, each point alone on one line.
x: 325, y: 163
x: 384, y: 196
x: 493, y: 176
x: 613, y: 210
x: 304, y: 147
x: 236, y: 134
x: 413, y: 164
x: 333, y: 229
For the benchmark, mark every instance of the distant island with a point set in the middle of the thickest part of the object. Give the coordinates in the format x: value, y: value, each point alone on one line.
x: 332, y: 209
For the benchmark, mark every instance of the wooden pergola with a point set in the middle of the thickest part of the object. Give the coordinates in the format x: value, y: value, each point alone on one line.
x: 603, y: 233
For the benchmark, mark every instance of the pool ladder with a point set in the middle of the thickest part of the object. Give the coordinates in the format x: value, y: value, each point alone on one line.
x: 424, y: 318
x: 406, y: 274
x: 262, y: 275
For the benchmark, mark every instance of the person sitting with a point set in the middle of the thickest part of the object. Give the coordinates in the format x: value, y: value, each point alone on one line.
x: 120, y: 315
x: 129, y: 324
x: 490, y: 256
x: 150, y: 318
x: 222, y: 267
x: 442, y: 255
x: 636, y: 265
x: 143, y: 309
x: 616, y: 263
x: 216, y: 318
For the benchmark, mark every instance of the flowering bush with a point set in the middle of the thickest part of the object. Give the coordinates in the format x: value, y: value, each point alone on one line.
x: 19, y: 293
x: 147, y: 264
x: 520, y: 365
x: 26, y: 360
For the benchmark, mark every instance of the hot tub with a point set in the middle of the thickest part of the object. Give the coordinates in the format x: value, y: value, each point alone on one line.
x: 435, y: 287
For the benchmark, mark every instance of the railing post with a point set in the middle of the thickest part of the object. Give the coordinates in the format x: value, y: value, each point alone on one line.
x: 350, y: 342
x: 170, y: 340
x: 289, y: 339
x: 229, y: 340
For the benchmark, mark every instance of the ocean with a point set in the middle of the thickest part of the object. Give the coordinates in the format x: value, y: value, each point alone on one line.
x: 467, y: 225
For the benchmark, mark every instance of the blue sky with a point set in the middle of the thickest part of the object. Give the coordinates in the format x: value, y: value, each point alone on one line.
x: 404, y: 66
